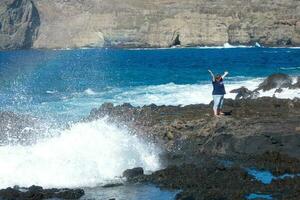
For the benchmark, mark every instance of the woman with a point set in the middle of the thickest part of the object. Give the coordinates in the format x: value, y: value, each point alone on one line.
x: 218, y: 92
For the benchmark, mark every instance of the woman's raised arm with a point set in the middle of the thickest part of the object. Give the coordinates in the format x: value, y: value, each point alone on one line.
x: 212, y: 75
x: 225, y: 74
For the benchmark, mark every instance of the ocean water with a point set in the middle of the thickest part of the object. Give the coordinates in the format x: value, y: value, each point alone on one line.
x: 66, y: 84
x: 61, y: 87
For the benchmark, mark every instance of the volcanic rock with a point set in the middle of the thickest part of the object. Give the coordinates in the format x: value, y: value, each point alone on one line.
x: 132, y: 173
x: 275, y: 81
x: 19, y: 23
x: 37, y: 193
x: 244, y: 93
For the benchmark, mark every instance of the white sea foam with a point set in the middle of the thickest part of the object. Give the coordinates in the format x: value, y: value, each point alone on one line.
x: 89, y: 91
x: 290, y: 68
x: 51, y: 91
x: 284, y: 94
x: 185, y: 94
x: 175, y: 94
x: 165, y: 94
x: 87, y: 154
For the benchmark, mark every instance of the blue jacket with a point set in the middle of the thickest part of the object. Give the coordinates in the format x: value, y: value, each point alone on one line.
x: 219, y: 88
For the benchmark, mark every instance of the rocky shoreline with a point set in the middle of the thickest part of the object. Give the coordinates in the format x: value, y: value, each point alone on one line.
x: 207, y: 157
x: 260, y: 134
x: 211, y: 158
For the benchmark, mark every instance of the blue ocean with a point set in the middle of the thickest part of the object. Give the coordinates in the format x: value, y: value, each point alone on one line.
x: 67, y: 84
x: 61, y: 87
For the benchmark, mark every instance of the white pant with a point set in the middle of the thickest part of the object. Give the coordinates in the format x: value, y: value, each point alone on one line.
x: 218, y: 102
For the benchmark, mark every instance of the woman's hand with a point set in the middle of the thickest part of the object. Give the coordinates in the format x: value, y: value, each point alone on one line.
x: 225, y: 74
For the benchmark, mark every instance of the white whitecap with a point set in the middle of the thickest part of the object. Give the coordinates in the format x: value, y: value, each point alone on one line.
x: 89, y: 91
x: 51, y: 91
x: 85, y: 155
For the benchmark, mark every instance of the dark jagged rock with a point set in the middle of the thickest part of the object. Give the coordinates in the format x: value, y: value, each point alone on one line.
x: 37, y: 193
x: 109, y: 185
x: 276, y: 81
x: 261, y: 133
x: 19, y: 23
x: 132, y: 173
x: 244, y: 93
x: 254, y: 126
x: 210, y: 180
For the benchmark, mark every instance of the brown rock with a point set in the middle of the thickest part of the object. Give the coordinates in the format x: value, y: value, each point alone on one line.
x: 19, y: 22
x: 161, y: 23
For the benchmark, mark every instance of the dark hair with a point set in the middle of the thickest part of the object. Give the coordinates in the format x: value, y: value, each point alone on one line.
x: 218, y: 77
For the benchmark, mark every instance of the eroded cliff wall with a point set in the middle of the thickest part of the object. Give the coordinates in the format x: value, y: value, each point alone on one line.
x: 162, y: 23
x: 19, y: 22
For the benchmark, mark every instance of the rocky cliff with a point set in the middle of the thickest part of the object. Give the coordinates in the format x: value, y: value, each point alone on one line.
x: 19, y: 22
x: 163, y: 23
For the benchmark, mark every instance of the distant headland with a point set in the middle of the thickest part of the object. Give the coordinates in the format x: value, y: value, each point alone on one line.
x: 52, y: 24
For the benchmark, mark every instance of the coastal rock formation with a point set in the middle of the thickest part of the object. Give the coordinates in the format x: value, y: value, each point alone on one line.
x: 38, y: 193
x: 131, y: 173
x: 253, y: 126
x: 163, y: 23
x: 213, y: 179
x: 244, y: 93
x: 148, y: 23
x: 19, y: 22
x: 275, y: 81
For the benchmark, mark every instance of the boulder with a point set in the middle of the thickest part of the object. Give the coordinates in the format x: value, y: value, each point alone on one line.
x: 244, y: 93
x: 132, y: 173
x: 275, y: 81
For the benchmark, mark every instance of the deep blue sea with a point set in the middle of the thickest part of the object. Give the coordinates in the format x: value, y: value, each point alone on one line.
x: 62, y: 86
x: 68, y: 83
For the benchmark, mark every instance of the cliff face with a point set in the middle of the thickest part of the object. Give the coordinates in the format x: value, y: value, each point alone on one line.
x: 19, y: 21
x: 162, y: 23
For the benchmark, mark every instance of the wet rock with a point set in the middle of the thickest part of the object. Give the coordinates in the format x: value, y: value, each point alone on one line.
x: 69, y: 194
x: 109, y: 185
x: 9, y: 194
x: 242, y: 132
x: 209, y: 180
x: 275, y: 81
x: 278, y: 90
x: 132, y: 173
x: 244, y: 93
x: 37, y: 193
x: 170, y: 135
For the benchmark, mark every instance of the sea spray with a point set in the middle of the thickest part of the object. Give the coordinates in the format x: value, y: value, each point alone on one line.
x: 85, y: 155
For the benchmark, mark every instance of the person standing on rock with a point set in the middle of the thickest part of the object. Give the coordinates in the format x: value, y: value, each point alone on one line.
x: 218, y: 92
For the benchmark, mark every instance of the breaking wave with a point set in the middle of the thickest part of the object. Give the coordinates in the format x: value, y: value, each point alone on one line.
x: 85, y: 155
